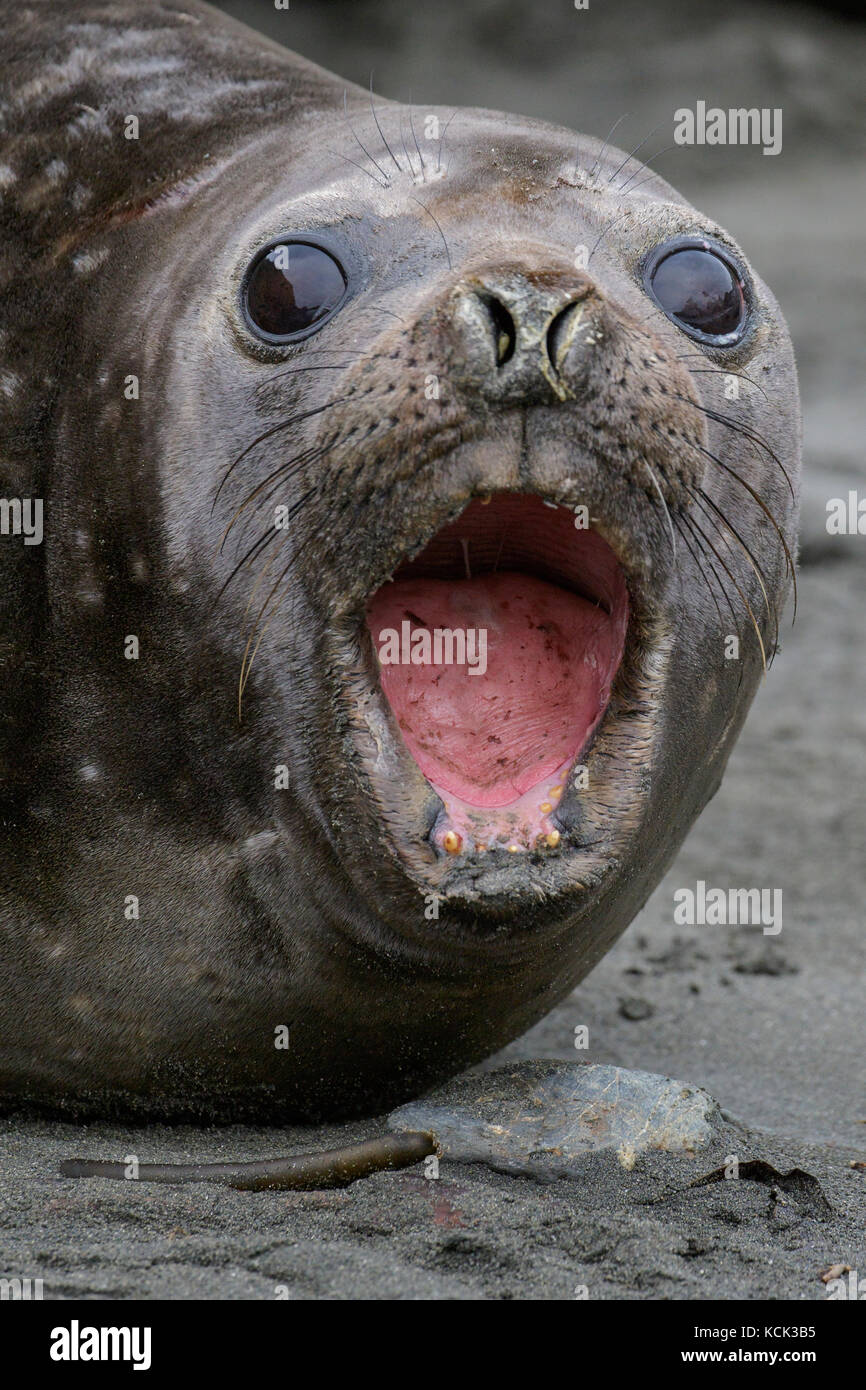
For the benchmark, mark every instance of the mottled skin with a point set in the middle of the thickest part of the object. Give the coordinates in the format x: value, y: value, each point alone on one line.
x: 260, y: 907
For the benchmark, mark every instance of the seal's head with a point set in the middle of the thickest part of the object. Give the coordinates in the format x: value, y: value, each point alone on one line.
x: 457, y: 512
x: 519, y: 436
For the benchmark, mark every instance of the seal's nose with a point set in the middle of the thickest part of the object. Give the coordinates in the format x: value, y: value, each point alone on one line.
x: 515, y: 329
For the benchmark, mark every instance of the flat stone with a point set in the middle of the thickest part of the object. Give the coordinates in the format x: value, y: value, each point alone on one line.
x: 541, y: 1118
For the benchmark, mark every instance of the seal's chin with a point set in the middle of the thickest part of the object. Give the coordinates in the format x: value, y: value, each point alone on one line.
x: 498, y: 646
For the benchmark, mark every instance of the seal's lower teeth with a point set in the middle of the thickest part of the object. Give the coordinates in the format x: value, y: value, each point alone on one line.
x: 497, y: 647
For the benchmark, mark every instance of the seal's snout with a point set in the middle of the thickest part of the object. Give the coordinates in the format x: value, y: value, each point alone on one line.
x: 513, y: 328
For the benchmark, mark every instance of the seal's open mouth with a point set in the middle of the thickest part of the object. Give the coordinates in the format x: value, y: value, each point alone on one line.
x: 498, y: 645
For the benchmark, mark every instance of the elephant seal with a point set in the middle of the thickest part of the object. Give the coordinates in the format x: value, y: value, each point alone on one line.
x: 301, y: 383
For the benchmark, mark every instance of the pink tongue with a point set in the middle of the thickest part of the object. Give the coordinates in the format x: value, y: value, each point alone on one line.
x: 488, y: 738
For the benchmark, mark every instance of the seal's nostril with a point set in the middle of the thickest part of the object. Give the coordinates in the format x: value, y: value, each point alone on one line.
x: 504, y: 332
x: 560, y: 332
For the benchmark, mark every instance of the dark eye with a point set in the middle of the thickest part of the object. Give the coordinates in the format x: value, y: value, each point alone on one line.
x: 700, y: 291
x: 291, y: 289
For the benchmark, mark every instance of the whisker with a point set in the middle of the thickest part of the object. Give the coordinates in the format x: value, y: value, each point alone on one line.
x: 719, y: 371
x: 405, y: 151
x: 766, y: 510
x: 381, y: 131
x: 704, y: 501
x: 746, y: 431
x: 691, y: 520
x: 700, y: 570
x: 735, y: 617
x: 634, y: 151
x: 263, y: 573
x: 760, y: 501
x: 442, y: 137
x: 287, y: 471
x: 600, y: 155
x: 308, y: 455
x: 415, y: 138
x: 610, y: 224
x: 257, y: 546
x: 246, y: 661
x: 436, y: 220
x: 317, y: 367
x: 655, y: 484
x: 377, y: 309
x: 264, y: 540
x: 338, y: 154
x: 644, y: 164
x: 357, y: 138
x: 268, y: 434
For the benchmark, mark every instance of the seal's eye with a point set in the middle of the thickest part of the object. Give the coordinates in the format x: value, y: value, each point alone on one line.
x: 700, y: 291
x: 291, y: 289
